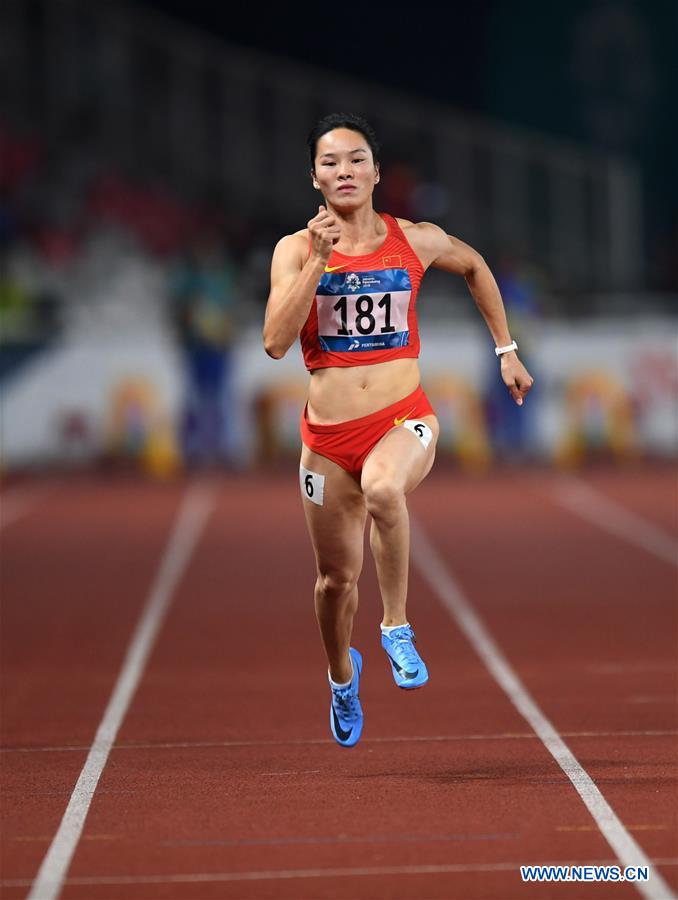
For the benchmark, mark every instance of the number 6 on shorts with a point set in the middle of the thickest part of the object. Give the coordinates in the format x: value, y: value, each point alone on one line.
x: 312, y: 485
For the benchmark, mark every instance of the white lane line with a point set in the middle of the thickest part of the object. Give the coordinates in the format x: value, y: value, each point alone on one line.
x: 434, y: 571
x: 191, y: 520
x: 357, y: 871
x: 583, y: 500
x: 14, y: 505
x: 395, y: 739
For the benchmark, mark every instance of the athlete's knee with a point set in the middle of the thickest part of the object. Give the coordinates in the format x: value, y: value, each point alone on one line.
x: 336, y: 584
x: 384, y: 496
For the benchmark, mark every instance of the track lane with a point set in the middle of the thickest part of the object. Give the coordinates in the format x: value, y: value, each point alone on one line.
x: 190, y: 692
x: 556, y: 637
x: 650, y: 492
x: 74, y: 574
x: 240, y: 657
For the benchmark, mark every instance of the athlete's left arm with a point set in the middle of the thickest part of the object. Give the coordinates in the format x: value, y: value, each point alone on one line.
x: 442, y: 251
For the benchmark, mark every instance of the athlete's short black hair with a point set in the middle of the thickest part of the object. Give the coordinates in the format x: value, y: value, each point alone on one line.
x: 341, y: 120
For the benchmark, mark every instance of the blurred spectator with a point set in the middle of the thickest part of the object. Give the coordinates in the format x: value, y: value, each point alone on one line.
x: 15, y: 308
x: 153, y: 214
x: 203, y: 302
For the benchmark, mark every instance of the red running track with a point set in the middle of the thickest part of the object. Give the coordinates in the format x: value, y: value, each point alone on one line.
x: 224, y: 782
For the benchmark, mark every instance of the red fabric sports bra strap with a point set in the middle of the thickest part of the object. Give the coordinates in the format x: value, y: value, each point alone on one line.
x: 394, y: 229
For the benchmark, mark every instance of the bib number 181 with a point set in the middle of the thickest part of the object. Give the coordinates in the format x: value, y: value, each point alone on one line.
x: 365, y: 321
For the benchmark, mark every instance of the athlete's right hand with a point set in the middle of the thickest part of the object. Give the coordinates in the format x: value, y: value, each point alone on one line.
x: 325, y: 232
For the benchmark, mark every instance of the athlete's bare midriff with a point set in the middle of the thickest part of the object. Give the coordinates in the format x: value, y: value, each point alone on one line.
x: 337, y: 394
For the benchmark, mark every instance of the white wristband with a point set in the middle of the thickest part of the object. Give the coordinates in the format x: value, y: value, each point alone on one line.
x: 507, y: 349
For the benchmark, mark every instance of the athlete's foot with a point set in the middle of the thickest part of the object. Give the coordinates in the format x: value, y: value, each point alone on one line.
x: 346, y: 715
x: 409, y: 670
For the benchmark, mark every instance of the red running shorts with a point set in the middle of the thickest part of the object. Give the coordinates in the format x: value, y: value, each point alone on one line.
x: 348, y: 443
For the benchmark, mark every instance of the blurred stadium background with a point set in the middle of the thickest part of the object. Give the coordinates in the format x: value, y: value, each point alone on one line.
x: 153, y: 153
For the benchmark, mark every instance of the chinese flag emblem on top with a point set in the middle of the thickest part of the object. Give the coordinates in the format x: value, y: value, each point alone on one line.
x: 393, y: 262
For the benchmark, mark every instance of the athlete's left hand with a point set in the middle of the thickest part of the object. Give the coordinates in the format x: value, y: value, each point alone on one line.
x: 516, y: 377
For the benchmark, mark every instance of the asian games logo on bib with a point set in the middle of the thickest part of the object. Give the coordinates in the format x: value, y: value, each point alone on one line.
x: 353, y: 282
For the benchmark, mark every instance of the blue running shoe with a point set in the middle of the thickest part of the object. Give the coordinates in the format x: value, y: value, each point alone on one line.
x: 346, y: 715
x: 408, y: 667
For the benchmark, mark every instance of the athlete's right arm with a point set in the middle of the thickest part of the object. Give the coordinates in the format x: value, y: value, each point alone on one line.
x: 294, y: 282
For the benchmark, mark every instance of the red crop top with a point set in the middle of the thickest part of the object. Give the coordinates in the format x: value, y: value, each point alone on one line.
x: 364, y: 310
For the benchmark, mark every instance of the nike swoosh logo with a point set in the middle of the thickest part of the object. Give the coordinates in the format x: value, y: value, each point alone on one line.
x: 334, y: 268
x: 402, y: 672
x: 400, y: 421
x: 343, y: 735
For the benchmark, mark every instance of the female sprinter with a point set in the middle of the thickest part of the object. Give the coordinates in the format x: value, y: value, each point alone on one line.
x: 347, y: 285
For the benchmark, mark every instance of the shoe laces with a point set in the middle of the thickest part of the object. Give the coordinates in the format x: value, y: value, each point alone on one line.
x: 346, y: 702
x: 403, y: 645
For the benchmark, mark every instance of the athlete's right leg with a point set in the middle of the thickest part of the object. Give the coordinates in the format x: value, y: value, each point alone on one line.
x: 335, y: 512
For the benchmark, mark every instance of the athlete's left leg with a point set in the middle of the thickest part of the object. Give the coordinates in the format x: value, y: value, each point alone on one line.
x: 396, y: 465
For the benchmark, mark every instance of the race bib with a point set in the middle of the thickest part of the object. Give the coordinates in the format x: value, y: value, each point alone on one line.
x: 312, y: 485
x: 360, y: 311
x: 421, y: 430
